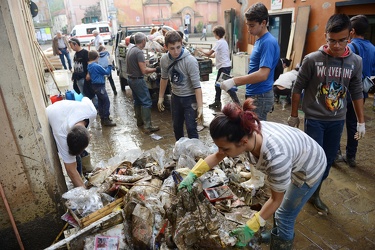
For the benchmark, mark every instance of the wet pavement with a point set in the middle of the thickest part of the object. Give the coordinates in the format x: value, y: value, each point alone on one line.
x: 348, y: 192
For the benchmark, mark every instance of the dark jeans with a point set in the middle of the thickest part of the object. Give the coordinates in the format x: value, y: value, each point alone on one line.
x: 140, y: 92
x: 351, y: 129
x: 110, y: 79
x: 278, y: 92
x: 263, y: 103
x: 231, y: 92
x: 103, y: 100
x: 65, y: 52
x: 327, y: 134
x: 184, y: 109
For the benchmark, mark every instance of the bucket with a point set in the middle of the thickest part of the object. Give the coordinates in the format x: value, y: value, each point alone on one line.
x: 78, y: 97
x: 62, y: 78
x: 69, y: 95
x: 56, y: 98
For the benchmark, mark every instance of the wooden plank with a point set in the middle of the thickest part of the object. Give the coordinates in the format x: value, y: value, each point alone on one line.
x: 290, y: 44
x: 301, y: 29
x: 85, y: 221
x: 82, y: 231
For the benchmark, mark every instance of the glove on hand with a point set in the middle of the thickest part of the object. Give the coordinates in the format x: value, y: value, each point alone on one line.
x: 188, y: 182
x: 293, y: 121
x: 361, y: 130
x: 227, y: 84
x: 199, y: 115
x: 246, y: 232
x: 160, y: 104
x: 158, y: 70
x: 198, y: 170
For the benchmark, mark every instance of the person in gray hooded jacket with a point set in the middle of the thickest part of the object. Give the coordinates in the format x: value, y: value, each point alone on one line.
x: 182, y: 70
x: 325, y: 76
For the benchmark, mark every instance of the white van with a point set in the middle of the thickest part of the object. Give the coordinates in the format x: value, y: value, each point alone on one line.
x: 83, y: 32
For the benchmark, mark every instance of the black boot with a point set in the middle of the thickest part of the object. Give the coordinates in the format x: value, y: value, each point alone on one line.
x: 280, y: 244
x: 317, y: 202
x: 138, y: 115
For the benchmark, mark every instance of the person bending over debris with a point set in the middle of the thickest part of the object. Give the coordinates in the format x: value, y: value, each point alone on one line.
x: 69, y: 121
x: 293, y: 162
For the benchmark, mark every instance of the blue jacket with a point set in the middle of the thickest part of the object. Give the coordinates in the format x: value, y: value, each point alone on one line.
x: 97, y: 72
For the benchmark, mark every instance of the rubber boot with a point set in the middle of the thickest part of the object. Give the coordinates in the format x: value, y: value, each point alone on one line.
x: 266, y: 234
x: 280, y: 244
x: 138, y: 115
x: 317, y: 202
x: 108, y: 122
x: 146, y: 116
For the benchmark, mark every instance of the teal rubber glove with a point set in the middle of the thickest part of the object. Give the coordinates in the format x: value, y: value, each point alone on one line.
x: 246, y: 232
x: 188, y: 182
x: 243, y: 235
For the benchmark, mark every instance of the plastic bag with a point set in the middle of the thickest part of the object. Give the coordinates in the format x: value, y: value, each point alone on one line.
x: 191, y: 147
x: 84, y: 201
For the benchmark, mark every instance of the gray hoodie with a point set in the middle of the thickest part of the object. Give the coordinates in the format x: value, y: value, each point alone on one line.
x: 184, y: 75
x: 325, y: 80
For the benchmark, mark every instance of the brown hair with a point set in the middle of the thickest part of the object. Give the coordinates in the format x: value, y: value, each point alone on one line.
x: 93, y: 54
x: 101, y: 48
x: 235, y: 122
x: 172, y: 37
x: 219, y: 31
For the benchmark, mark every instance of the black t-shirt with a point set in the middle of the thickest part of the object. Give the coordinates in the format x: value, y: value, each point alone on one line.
x: 278, y: 70
x: 81, y: 59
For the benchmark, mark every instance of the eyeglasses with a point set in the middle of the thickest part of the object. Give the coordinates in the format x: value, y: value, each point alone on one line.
x: 343, y: 41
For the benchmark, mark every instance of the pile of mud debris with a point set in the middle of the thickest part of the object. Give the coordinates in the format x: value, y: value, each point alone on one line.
x: 135, y: 203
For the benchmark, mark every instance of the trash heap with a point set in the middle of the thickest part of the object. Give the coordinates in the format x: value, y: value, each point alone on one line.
x: 140, y: 207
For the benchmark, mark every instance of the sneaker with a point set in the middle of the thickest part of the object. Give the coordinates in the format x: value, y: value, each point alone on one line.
x: 216, y: 104
x: 108, y: 122
x: 350, y: 161
x: 115, y: 92
x: 151, y: 129
x: 339, y: 157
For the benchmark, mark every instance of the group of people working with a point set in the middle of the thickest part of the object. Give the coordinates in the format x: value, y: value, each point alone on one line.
x: 296, y: 162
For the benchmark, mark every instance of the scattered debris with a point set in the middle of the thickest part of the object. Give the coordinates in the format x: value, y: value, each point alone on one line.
x: 151, y: 213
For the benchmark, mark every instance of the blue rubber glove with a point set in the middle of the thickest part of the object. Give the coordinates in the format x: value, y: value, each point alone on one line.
x: 188, y: 182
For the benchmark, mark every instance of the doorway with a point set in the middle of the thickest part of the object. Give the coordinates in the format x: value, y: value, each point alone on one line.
x: 280, y: 27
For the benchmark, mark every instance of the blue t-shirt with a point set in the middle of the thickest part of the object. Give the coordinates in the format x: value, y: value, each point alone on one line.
x: 266, y: 53
x: 366, y: 50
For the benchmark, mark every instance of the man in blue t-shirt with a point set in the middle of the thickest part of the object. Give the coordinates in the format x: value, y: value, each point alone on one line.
x: 263, y: 61
x: 365, y: 49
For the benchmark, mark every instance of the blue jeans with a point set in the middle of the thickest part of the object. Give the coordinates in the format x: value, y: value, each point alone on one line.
x: 140, y: 92
x: 327, y: 134
x: 65, y: 52
x: 103, y: 100
x: 263, y: 103
x: 294, y: 199
x: 184, y: 109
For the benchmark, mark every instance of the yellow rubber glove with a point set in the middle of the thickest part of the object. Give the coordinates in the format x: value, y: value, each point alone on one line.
x: 200, y: 168
x: 256, y: 222
x: 244, y: 233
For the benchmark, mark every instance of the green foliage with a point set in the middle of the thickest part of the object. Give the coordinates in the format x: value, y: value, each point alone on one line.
x: 93, y: 11
x: 200, y: 27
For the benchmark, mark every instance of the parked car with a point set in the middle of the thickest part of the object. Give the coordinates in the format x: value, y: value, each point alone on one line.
x: 83, y: 32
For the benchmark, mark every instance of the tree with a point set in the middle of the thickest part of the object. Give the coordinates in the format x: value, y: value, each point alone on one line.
x: 93, y: 13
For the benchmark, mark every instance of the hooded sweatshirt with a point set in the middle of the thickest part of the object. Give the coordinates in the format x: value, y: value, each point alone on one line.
x: 103, y: 59
x: 184, y: 75
x: 325, y: 80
